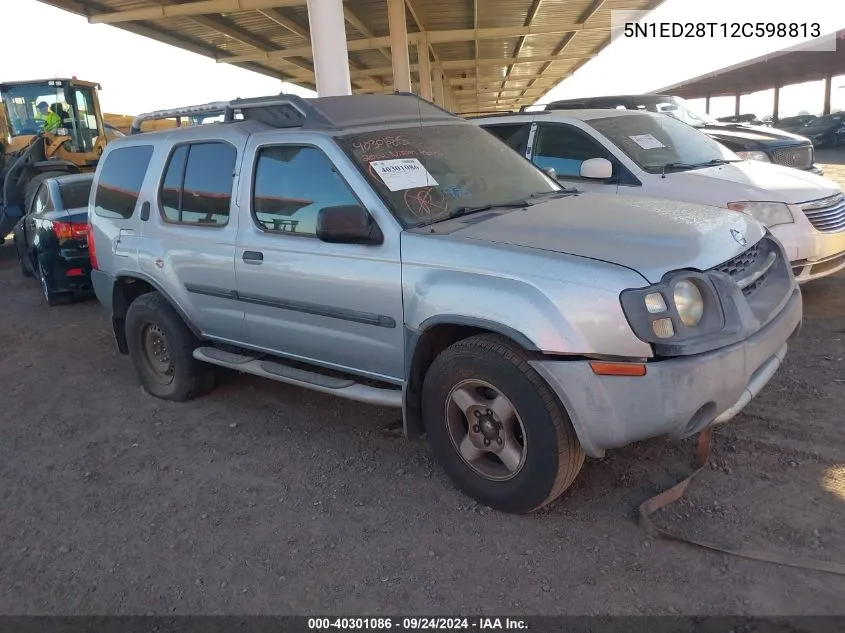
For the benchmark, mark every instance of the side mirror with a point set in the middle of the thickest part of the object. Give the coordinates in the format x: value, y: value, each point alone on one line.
x: 347, y: 224
x: 550, y: 172
x: 597, y: 168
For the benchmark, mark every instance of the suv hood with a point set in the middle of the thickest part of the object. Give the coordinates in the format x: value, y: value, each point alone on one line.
x: 755, y: 181
x: 650, y: 236
x: 764, y: 136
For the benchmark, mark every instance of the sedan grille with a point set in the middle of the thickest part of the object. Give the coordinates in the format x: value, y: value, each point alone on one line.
x: 828, y: 214
x: 798, y: 157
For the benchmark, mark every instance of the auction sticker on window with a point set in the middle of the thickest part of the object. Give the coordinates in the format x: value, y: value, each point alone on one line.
x: 646, y: 141
x: 403, y: 173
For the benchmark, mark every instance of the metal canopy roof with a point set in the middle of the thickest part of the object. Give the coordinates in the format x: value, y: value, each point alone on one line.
x: 495, y: 53
x: 788, y: 66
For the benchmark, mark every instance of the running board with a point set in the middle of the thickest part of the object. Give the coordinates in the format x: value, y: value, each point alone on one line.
x: 278, y: 371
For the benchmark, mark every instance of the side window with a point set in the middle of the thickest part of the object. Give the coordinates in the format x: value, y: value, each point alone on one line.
x: 514, y: 135
x: 49, y: 204
x: 40, y: 200
x: 120, y: 181
x: 170, y: 194
x: 563, y: 148
x: 292, y: 184
x: 197, y: 184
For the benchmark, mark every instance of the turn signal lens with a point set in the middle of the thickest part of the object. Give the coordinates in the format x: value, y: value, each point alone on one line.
x: 603, y: 368
x: 655, y: 303
x: 663, y: 328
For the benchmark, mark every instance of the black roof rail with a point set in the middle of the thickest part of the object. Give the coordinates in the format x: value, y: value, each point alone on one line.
x: 285, y: 111
x: 216, y: 107
x: 282, y: 110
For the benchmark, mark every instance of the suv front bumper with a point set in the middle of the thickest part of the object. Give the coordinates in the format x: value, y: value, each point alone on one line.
x: 677, y: 397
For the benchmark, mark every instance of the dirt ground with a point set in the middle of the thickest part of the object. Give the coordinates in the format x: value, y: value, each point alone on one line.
x: 262, y: 498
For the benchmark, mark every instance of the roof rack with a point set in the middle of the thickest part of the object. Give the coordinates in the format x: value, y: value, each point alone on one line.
x: 285, y: 110
x: 279, y: 111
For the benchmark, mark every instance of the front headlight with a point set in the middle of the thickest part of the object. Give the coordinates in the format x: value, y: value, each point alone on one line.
x: 761, y: 156
x: 688, y: 302
x: 769, y: 213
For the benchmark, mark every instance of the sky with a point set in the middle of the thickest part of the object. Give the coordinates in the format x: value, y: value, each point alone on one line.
x: 139, y: 74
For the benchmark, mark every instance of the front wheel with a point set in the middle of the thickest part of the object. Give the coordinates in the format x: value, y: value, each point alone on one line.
x: 161, y: 348
x: 496, y: 427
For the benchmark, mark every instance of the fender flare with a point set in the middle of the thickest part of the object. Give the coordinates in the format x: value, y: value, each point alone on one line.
x: 118, y: 316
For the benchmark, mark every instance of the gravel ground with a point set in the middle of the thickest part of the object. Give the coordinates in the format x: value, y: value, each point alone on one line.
x: 262, y: 498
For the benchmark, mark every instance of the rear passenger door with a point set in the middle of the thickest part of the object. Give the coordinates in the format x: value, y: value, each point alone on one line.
x: 337, y: 305
x: 119, y: 184
x: 188, y: 244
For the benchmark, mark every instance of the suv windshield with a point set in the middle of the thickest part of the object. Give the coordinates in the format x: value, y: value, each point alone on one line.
x: 658, y: 142
x: 51, y: 106
x: 425, y: 174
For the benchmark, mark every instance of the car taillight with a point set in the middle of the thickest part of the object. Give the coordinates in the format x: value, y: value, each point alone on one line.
x: 92, y: 253
x: 70, y: 231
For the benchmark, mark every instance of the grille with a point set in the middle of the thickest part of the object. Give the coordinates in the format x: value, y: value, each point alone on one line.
x: 798, y: 157
x: 742, y: 263
x: 828, y: 214
x: 746, y: 263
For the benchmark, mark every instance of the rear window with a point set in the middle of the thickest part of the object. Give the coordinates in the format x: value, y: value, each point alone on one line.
x: 120, y: 181
x: 75, y: 193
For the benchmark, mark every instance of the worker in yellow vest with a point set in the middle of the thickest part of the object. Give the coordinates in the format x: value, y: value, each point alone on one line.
x: 50, y: 120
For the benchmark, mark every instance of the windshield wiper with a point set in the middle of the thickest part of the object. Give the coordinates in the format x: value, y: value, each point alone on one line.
x: 718, y: 161
x: 461, y: 211
x: 682, y: 166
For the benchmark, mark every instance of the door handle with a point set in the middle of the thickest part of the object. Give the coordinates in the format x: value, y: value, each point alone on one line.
x: 253, y: 257
x: 145, y: 211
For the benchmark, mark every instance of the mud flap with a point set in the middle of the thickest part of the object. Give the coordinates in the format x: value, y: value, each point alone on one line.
x: 667, y: 497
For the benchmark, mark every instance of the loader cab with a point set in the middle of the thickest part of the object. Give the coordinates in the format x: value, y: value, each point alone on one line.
x: 74, y: 101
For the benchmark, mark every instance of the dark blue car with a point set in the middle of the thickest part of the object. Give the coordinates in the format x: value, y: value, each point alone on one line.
x: 51, y: 240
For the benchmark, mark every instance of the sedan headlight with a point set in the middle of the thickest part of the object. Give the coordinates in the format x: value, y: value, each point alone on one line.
x: 769, y: 213
x: 761, y: 156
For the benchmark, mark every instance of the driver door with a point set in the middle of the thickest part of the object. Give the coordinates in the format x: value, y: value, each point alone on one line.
x: 564, y: 148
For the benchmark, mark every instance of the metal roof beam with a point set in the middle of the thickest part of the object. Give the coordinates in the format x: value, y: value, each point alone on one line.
x: 463, y: 64
x: 286, y: 23
x: 183, y: 9
x: 432, y: 37
x: 532, y: 13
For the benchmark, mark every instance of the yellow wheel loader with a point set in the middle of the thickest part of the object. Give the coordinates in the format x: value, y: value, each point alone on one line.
x: 48, y: 127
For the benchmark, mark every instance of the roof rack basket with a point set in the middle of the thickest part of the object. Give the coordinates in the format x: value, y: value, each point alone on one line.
x: 286, y: 110
x: 279, y: 111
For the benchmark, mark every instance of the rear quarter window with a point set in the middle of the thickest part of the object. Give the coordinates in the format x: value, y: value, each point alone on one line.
x: 120, y: 181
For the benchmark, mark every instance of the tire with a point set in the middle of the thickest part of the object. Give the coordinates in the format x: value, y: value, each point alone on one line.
x: 550, y: 454
x: 161, y: 348
x: 51, y: 298
x: 26, y: 265
x: 32, y: 186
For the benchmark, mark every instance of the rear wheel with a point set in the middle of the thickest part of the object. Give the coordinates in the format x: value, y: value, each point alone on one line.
x: 496, y: 428
x: 51, y: 298
x: 24, y: 261
x: 161, y: 347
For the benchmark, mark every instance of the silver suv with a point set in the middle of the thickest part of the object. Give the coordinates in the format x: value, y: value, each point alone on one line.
x: 381, y: 249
